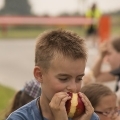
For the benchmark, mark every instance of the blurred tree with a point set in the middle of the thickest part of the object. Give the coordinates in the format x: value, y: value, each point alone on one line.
x: 64, y: 14
x: 16, y: 7
x: 76, y: 14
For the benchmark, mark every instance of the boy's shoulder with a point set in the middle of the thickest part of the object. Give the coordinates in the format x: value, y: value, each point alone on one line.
x: 94, y: 117
x: 29, y: 111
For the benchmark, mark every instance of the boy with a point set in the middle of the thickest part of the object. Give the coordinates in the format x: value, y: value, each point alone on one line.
x: 60, y: 59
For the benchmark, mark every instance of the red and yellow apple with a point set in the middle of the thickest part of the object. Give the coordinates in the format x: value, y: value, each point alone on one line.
x: 74, y: 107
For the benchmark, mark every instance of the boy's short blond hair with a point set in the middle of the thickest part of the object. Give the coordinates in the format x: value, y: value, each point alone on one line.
x: 60, y: 41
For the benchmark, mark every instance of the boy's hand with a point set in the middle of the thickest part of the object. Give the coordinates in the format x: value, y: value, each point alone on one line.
x: 57, y: 105
x: 89, y: 110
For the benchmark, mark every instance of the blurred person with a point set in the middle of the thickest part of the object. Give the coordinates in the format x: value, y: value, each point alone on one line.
x: 92, y: 30
x: 111, y: 52
x: 30, y: 91
x: 103, y: 100
x: 60, y: 59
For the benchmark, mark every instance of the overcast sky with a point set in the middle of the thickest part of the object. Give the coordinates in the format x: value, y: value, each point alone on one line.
x: 55, y: 7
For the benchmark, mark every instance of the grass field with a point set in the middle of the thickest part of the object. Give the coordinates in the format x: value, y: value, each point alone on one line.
x: 6, y: 95
x: 33, y: 31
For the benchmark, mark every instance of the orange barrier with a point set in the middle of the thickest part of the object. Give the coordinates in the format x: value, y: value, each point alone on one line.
x: 104, y: 28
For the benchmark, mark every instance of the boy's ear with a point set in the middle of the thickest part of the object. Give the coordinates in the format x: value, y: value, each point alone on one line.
x: 38, y: 74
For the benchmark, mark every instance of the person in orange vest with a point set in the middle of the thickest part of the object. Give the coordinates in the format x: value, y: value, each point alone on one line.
x: 92, y: 30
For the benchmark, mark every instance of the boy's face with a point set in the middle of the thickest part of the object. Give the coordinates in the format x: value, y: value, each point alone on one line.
x: 64, y: 74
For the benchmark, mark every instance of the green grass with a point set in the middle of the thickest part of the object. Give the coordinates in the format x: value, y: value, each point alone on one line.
x: 32, y: 31
x: 6, y: 95
x: 21, y: 32
x: 115, y: 30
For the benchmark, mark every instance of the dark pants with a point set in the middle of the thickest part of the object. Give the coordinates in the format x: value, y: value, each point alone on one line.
x: 92, y: 30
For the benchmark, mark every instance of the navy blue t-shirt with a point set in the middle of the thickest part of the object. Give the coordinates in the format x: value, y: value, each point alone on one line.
x: 30, y: 111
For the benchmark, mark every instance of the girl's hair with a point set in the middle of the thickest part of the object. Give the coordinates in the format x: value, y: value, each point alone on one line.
x: 95, y: 92
x: 116, y: 43
x: 21, y: 98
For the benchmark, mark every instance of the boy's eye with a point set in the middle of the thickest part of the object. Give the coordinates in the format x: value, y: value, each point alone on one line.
x: 63, y: 79
x: 67, y: 78
x: 78, y: 79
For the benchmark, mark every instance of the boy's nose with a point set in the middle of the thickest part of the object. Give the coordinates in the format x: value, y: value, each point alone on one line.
x: 72, y: 87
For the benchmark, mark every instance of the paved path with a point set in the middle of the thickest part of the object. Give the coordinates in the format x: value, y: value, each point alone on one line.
x: 17, y: 62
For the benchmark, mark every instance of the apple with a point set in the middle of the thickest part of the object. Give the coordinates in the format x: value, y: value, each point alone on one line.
x: 74, y: 107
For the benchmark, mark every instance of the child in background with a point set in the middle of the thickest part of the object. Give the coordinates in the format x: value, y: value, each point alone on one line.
x: 30, y: 91
x: 111, y: 51
x: 103, y: 100
x: 60, y: 59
